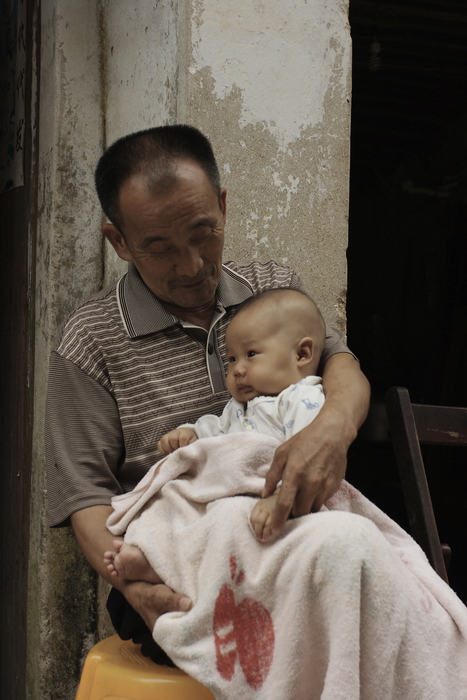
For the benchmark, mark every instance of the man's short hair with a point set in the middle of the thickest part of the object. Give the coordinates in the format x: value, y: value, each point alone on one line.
x: 152, y: 153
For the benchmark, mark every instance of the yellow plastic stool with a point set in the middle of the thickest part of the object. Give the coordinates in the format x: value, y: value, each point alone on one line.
x: 117, y: 670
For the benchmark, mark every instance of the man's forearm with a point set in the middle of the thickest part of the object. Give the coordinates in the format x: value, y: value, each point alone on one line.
x: 90, y: 529
x: 312, y: 463
x: 347, y: 392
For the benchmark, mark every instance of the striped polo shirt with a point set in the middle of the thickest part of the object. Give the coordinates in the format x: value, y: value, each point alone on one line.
x: 126, y: 371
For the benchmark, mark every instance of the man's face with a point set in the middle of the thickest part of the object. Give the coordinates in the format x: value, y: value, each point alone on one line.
x: 175, y: 238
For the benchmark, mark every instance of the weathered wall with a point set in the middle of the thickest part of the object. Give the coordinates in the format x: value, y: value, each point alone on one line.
x: 62, y: 605
x: 143, y: 53
x: 269, y: 84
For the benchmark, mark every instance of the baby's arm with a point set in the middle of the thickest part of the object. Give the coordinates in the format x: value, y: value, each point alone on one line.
x: 180, y: 437
x: 260, y: 517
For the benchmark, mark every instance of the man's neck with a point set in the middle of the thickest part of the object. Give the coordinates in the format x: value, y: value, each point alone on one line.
x: 199, y: 316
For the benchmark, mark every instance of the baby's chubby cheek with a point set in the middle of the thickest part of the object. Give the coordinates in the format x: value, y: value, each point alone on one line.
x: 230, y: 383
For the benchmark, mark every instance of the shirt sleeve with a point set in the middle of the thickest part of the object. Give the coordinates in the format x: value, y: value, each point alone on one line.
x: 212, y: 426
x: 83, y: 441
x: 206, y: 426
x: 335, y: 343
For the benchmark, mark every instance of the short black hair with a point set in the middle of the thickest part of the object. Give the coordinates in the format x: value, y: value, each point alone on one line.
x: 153, y: 153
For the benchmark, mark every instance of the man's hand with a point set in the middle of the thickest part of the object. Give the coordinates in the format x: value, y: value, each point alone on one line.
x: 312, y: 463
x: 153, y: 600
x: 180, y: 437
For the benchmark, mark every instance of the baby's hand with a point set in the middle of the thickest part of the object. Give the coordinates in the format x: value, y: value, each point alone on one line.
x: 180, y: 437
x: 260, y: 517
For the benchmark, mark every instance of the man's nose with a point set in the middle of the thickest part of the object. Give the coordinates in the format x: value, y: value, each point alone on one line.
x: 189, y: 262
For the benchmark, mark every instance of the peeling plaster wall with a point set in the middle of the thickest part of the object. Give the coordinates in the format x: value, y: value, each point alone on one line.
x: 268, y: 82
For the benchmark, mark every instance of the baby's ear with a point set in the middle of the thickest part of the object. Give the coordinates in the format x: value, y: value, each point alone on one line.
x: 305, y: 352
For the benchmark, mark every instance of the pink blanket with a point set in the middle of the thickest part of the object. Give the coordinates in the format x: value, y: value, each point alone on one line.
x: 342, y: 606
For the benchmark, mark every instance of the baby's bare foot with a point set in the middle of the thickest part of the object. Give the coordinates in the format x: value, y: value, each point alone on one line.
x: 109, y: 558
x: 129, y: 563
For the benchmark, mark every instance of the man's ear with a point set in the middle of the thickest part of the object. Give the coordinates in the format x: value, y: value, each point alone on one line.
x: 117, y: 241
x: 305, y: 352
x: 223, y: 202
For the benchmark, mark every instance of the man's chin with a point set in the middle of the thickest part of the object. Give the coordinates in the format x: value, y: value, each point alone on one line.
x: 193, y: 298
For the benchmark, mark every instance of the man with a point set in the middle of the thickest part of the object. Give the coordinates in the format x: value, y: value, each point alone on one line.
x: 127, y: 367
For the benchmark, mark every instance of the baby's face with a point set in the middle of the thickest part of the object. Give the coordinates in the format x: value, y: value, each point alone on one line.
x: 262, y: 359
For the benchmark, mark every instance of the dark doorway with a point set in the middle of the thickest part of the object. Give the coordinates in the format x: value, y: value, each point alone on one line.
x: 407, y: 255
x: 408, y: 209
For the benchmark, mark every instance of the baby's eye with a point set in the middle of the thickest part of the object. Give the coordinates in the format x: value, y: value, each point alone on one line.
x: 232, y: 358
x: 251, y: 353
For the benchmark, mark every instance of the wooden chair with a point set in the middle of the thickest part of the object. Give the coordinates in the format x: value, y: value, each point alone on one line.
x: 410, y: 425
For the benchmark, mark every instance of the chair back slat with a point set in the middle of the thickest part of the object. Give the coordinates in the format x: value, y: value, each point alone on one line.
x: 441, y: 425
x: 403, y: 425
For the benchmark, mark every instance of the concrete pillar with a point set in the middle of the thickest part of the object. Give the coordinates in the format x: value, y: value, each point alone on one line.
x: 269, y: 83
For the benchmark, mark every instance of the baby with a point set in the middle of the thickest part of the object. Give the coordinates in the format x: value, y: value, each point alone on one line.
x: 274, y: 344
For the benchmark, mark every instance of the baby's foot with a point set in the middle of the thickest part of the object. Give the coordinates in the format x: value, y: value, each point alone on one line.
x: 129, y: 563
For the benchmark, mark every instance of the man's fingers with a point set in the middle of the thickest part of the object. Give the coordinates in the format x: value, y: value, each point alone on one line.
x: 168, y: 601
x: 274, y: 474
x: 298, y: 499
x: 183, y: 603
x: 310, y: 497
x: 283, y: 508
x: 153, y: 600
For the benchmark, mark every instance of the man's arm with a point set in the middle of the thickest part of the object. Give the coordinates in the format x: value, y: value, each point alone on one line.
x: 312, y: 463
x: 148, y: 599
x: 77, y: 405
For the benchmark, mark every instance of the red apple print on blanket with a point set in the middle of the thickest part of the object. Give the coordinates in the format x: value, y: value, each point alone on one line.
x: 245, y: 631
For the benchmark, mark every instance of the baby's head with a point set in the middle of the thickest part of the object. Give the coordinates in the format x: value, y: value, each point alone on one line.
x: 275, y: 339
